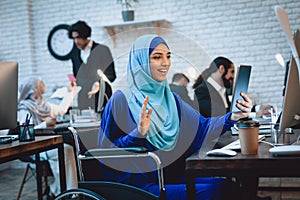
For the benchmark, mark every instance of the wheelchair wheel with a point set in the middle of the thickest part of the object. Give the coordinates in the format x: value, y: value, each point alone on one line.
x: 79, y: 194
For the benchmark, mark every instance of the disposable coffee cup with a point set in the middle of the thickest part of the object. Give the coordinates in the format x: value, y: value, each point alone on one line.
x: 248, y: 135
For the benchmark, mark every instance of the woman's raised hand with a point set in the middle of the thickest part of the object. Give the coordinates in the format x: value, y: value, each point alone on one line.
x: 144, y: 120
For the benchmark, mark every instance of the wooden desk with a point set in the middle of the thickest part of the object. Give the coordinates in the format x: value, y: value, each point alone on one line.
x: 244, y: 167
x: 17, y: 150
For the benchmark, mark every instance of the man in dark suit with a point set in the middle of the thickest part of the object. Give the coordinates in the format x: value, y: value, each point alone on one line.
x: 179, y: 86
x: 87, y: 58
x: 212, y: 85
x: 211, y: 89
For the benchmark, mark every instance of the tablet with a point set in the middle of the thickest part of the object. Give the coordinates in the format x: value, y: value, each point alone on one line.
x: 241, y: 85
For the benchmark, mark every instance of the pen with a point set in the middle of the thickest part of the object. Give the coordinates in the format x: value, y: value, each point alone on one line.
x: 29, y: 119
x: 26, y: 120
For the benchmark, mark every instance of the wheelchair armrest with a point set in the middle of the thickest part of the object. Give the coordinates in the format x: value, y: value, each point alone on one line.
x: 115, y: 151
x: 129, y: 152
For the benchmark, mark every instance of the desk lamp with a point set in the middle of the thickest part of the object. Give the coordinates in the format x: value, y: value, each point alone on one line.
x: 279, y: 59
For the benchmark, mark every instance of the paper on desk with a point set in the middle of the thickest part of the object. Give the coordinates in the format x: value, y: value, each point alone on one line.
x: 62, y: 92
x: 76, y: 90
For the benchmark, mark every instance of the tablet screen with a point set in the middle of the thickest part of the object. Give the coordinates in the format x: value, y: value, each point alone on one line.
x: 241, y: 85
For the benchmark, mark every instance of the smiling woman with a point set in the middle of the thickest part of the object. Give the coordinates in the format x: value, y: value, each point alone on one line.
x: 149, y: 115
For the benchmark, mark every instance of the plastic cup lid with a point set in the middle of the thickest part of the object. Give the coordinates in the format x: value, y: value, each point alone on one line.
x: 247, y: 124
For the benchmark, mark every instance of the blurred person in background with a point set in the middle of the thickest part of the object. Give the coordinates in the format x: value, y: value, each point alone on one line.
x: 179, y: 86
x: 212, y: 86
x: 87, y: 58
x: 43, y: 114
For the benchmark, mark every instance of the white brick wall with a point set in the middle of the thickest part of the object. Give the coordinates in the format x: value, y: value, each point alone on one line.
x: 245, y: 31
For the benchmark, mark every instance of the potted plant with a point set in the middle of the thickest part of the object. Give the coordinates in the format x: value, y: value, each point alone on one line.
x: 127, y: 12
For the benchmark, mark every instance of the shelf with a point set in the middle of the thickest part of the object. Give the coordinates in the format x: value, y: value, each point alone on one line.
x: 112, y: 29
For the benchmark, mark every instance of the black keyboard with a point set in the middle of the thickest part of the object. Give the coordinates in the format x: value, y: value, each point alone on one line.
x: 7, y: 139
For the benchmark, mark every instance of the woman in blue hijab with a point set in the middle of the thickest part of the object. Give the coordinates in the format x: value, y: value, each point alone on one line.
x: 148, y: 114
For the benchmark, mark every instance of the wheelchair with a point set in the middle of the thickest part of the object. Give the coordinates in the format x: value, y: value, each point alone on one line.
x: 105, y: 189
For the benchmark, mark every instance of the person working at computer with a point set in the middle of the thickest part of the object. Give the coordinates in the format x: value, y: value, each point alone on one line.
x: 88, y: 57
x: 179, y: 86
x: 148, y: 114
x: 211, y: 89
x: 43, y: 114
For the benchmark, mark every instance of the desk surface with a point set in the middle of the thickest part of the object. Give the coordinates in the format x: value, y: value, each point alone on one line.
x: 80, y: 124
x: 17, y: 150
x: 262, y: 164
x: 244, y: 167
x: 13, y: 150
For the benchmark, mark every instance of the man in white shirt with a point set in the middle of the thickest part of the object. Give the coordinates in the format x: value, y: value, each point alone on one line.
x: 87, y: 58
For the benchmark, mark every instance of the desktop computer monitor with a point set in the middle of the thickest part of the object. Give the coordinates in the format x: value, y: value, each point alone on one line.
x: 290, y: 116
x: 8, y: 94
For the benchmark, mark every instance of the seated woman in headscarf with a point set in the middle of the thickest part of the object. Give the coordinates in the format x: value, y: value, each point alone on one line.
x: 31, y: 101
x: 148, y: 114
x: 43, y: 114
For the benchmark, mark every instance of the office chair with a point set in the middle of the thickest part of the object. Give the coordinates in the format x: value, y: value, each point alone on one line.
x: 45, y: 173
x: 45, y: 168
x: 113, y: 190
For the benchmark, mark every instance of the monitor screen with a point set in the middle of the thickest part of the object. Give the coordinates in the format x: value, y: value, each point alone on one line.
x: 290, y: 117
x: 8, y: 94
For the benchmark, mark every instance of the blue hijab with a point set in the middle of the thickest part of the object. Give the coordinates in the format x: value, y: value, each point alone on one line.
x: 164, y: 127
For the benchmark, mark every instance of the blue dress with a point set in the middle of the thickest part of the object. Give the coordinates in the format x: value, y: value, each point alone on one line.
x: 118, y: 129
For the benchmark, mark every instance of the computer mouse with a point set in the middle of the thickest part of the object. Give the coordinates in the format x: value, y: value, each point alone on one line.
x: 221, y: 152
